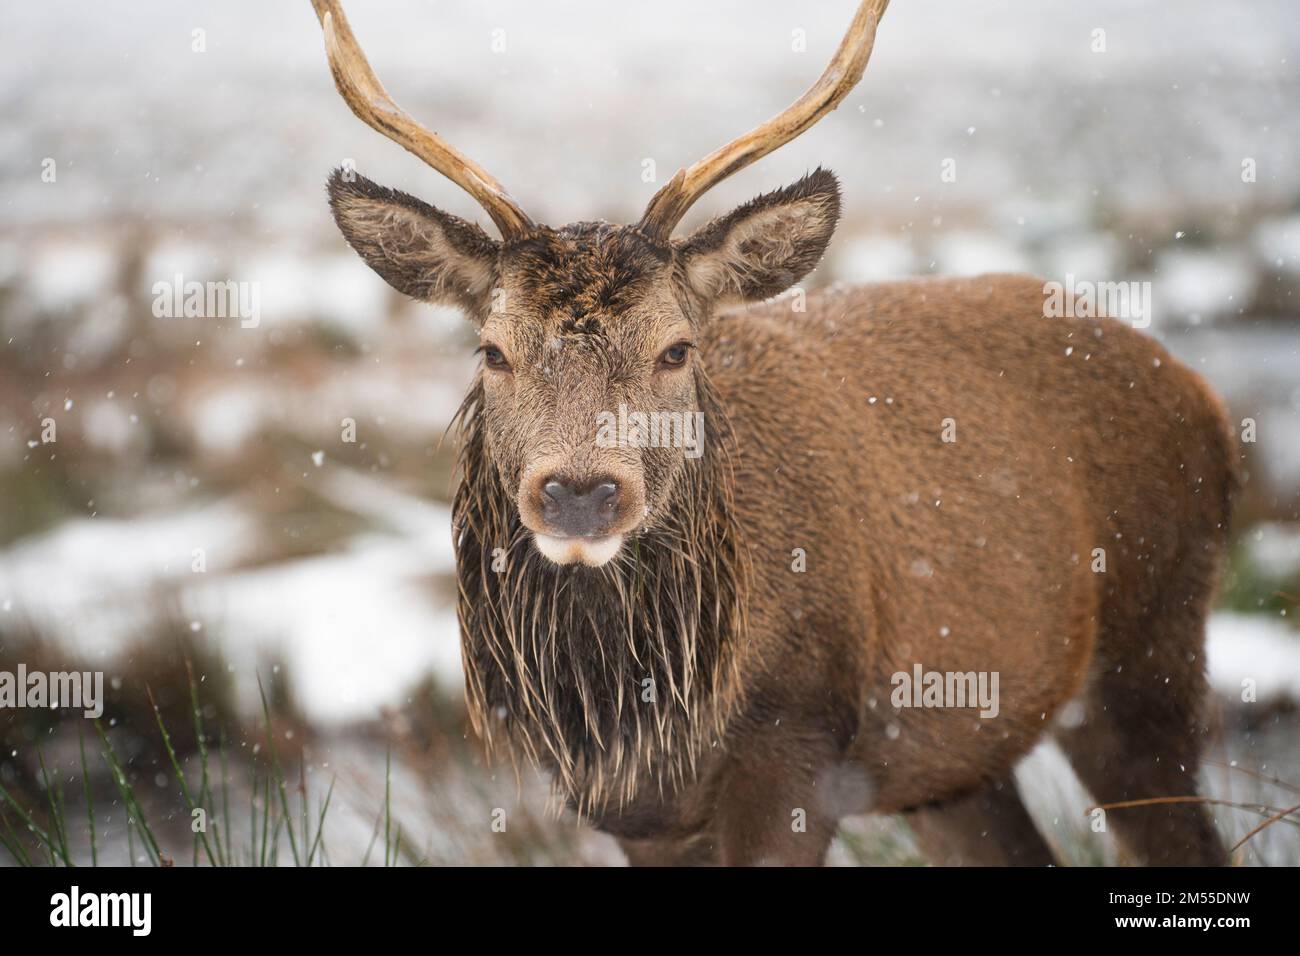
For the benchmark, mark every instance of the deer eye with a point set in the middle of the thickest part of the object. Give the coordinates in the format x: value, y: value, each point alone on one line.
x: 494, y: 358
x: 675, y: 355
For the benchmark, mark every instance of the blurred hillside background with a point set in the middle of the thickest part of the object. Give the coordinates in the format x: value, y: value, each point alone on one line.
x: 1173, y: 156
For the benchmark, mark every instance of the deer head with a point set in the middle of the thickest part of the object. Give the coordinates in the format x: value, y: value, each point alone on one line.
x: 588, y: 322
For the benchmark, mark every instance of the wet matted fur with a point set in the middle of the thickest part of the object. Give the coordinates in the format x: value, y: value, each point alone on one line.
x: 612, y: 677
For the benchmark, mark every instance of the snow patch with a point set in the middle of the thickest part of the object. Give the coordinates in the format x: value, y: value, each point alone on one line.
x: 1253, y: 647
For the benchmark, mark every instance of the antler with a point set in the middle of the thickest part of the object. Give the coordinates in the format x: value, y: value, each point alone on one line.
x: 670, y: 204
x: 368, y: 99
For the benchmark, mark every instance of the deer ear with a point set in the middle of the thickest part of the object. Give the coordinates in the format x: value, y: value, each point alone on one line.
x: 765, y: 246
x: 420, y: 251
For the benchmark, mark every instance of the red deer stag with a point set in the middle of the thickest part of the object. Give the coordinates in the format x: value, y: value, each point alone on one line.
x: 710, y: 641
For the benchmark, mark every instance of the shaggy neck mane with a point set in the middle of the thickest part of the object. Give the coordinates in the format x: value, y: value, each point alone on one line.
x: 611, y: 678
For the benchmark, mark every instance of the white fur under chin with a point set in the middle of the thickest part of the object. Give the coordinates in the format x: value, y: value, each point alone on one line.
x: 593, y: 552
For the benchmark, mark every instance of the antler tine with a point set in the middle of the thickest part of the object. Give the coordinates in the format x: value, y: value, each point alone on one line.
x: 670, y: 204
x: 368, y: 99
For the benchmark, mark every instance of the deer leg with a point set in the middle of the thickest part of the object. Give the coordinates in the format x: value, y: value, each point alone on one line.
x: 989, y: 827
x: 784, y: 810
x: 1141, y: 732
x: 766, y: 826
x: 1121, y: 756
x: 696, y: 851
x: 1138, y: 744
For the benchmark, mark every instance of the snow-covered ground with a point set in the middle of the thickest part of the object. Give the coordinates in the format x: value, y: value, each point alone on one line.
x: 354, y: 629
x: 1135, y: 140
x: 358, y: 627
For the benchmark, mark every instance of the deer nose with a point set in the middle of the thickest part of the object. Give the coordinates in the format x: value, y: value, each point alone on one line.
x: 579, y: 509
